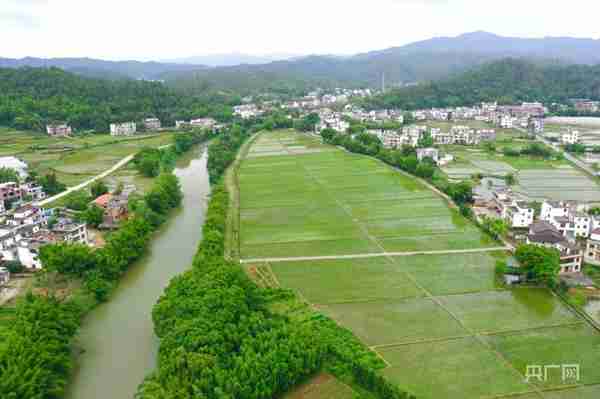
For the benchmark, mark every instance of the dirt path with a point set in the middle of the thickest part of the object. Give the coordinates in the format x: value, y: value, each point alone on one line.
x: 375, y: 255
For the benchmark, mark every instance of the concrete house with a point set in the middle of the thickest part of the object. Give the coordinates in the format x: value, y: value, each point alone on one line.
x: 432, y: 153
x: 59, y: 130
x: 592, y: 250
x: 152, y: 124
x: 123, y: 129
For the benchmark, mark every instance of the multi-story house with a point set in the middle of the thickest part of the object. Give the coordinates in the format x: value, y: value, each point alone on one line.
x: 544, y: 234
x: 518, y: 214
x: 567, y: 218
x: 123, y: 129
x: 59, y: 130
x: 204, y: 123
x: 32, y: 191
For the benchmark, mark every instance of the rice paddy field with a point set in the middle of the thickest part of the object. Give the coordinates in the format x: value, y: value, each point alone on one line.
x: 443, y: 324
x: 537, y: 179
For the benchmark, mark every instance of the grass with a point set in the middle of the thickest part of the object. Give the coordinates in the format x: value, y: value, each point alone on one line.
x: 395, y: 321
x: 460, y: 368
x: 553, y: 346
x: 346, y: 280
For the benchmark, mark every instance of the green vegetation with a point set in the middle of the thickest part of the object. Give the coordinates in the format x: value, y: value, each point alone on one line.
x: 507, y: 81
x: 31, y: 98
x: 35, y: 351
x: 539, y: 263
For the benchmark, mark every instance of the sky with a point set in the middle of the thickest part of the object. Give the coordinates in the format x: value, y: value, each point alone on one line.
x: 167, y: 29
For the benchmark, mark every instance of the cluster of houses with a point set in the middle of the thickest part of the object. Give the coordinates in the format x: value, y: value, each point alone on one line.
x: 586, y: 105
x: 202, y: 123
x: 116, y: 129
x: 26, y: 229
x: 563, y: 225
x: 527, y: 115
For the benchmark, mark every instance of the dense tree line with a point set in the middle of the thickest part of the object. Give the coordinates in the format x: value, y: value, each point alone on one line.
x: 222, y: 152
x: 30, y: 98
x: 35, y: 351
x: 507, y: 81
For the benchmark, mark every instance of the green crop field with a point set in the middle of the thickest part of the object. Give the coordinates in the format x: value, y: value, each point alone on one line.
x: 328, y: 202
x: 442, y: 322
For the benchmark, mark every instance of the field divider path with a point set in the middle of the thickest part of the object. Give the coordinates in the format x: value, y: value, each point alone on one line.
x: 427, y: 293
x: 374, y: 255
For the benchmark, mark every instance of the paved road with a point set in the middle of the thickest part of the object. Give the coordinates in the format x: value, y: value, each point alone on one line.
x: 373, y: 255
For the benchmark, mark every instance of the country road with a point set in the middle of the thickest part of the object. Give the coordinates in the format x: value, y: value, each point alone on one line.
x: 86, y: 183
x: 373, y: 255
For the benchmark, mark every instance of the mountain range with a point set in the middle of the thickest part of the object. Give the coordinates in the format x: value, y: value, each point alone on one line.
x: 232, y: 59
x: 426, y: 60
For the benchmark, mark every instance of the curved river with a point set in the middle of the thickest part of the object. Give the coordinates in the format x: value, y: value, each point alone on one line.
x: 118, y: 337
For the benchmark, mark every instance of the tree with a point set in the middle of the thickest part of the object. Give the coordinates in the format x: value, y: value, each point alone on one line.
x: 93, y: 215
x: 8, y: 175
x: 14, y: 266
x: 540, y: 263
x: 77, y: 200
x: 497, y: 228
x: 510, y: 179
x: 50, y: 184
x: 425, y: 170
x: 425, y: 141
x: 66, y: 258
x: 98, y: 188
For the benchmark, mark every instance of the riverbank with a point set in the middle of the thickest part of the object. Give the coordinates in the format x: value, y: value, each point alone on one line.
x: 117, y: 338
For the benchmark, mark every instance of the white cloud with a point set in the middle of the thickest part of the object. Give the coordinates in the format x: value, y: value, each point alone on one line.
x: 159, y: 29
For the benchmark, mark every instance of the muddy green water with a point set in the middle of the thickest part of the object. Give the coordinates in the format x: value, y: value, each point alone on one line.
x: 117, y: 337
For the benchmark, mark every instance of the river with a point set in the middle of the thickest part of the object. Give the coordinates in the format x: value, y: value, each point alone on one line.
x: 118, y: 337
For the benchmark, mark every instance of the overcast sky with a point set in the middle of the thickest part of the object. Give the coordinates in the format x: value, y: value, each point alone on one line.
x: 163, y: 29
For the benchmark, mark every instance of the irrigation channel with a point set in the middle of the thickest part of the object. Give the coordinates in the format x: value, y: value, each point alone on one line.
x: 117, y: 338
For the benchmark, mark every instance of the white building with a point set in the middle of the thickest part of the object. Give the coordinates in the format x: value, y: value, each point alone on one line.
x: 123, y: 129
x: 15, y: 164
x: 432, y: 153
x: 518, y: 214
x: 203, y: 123
x: 152, y: 123
x: 59, y: 130
x: 567, y: 218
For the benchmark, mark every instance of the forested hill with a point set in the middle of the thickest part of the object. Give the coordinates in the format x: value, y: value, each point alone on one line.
x: 506, y: 81
x: 32, y: 97
x: 101, y: 68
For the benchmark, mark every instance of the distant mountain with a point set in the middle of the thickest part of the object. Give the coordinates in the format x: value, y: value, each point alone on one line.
x: 101, y: 69
x: 571, y: 50
x: 507, y: 81
x: 427, y: 60
x: 232, y: 59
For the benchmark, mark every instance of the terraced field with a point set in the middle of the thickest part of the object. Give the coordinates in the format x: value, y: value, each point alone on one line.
x: 441, y: 322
